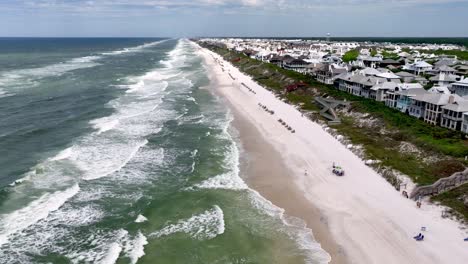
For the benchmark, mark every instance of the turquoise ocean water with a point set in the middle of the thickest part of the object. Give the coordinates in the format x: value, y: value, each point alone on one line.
x: 116, y: 151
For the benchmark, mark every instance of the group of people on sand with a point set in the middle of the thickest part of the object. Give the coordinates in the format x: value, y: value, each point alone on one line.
x: 287, y: 126
x: 248, y: 88
x: 264, y: 107
x: 419, y: 237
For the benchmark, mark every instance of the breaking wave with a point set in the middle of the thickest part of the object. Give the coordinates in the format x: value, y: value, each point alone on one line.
x: 206, y: 225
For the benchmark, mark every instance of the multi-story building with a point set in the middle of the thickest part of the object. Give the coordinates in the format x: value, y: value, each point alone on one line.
x: 460, y: 88
x: 452, y: 115
x: 404, y: 99
x: 464, y: 127
x: 326, y: 73
x: 431, y: 106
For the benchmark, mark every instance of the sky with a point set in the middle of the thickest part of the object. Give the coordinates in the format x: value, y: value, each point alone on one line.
x: 249, y: 18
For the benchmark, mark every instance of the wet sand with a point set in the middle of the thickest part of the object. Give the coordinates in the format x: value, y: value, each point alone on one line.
x: 264, y: 170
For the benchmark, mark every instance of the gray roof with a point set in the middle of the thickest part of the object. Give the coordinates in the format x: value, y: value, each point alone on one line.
x: 359, y: 78
x: 437, y: 99
x: 458, y: 106
x: 445, y: 62
x: 446, y: 68
x: 463, y: 82
x: 413, y: 92
x: 385, y: 86
x: 389, y: 61
x: 444, y: 77
x: 405, y: 74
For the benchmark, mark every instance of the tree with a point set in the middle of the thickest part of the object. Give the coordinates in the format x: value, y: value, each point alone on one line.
x: 350, y: 55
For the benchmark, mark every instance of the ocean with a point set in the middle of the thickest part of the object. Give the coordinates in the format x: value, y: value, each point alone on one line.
x: 116, y: 151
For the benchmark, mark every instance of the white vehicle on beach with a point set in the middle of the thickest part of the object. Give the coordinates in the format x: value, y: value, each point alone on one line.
x: 337, y: 170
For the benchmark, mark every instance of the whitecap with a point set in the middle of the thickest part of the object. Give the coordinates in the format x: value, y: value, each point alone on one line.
x: 64, y: 154
x: 134, y: 49
x: 207, y: 225
x: 104, y: 124
x: 109, y: 163
x: 35, y: 211
x: 140, y: 219
x: 295, y: 228
x: 227, y: 181
x: 135, y: 248
x: 114, y: 250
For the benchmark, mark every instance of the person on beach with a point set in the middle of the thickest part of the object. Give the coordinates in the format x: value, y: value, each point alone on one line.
x: 305, y: 172
x: 419, y: 237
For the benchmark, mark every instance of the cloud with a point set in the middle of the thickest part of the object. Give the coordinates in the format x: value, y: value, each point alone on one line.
x: 271, y: 5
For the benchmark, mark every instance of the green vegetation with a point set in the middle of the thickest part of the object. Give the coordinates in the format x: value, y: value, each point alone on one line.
x: 350, y: 55
x: 373, y: 52
x: 389, y: 55
x: 462, y: 55
x: 454, y: 199
x: 382, y: 140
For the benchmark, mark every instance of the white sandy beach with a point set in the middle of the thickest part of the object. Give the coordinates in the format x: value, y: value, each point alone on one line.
x: 371, y: 221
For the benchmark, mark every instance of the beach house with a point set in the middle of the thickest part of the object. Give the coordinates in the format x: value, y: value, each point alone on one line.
x: 444, y: 79
x: 297, y: 65
x: 326, y: 72
x: 406, y: 77
x: 453, y: 114
x: 404, y: 98
x: 392, y: 97
x: 356, y: 83
x: 460, y: 87
x: 431, y: 106
x: 418, y: 67
x: 379, y: 91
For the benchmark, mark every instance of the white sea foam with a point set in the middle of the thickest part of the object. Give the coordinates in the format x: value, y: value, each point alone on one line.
x: 203, y: 226
x: 73, y: 216
x: 35, y: 211
x: 19, y: 181
x: 104, y: 124
x: 224, y: 181
x: 110, y: 163
x: 229, y: 180
x: 135, y: 248
x: 64, y: 154
x: 27, y: 77
x: 96, y: 155
x: 114, y: 249
x: 295, y: 228
x: 140, y: 219
x: 133, y: 49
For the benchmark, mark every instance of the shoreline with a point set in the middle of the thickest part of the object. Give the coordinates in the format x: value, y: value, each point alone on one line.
x: 269, y: 177
x: 368, y: 219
